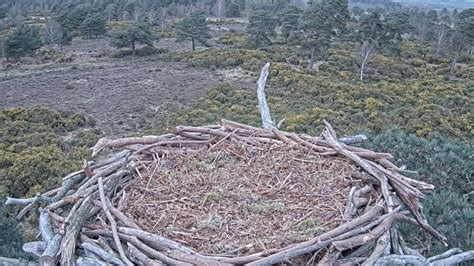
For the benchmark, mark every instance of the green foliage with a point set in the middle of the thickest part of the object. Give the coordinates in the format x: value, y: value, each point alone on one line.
x: 261, y: 29
x: 33, y: 153
x: 71, y: 16
x: 304, y: 99
x: 289, y: 22
x: 222, y: 58
x: 319, y: 23
x: 446, y: 163
x: 53, y: 55
x: 232, y: 10
x: 22, y: 41
x: 380, y: 32
x: 129, y: 35
x: 11, y: 240
x: 194, y: 28
x: 466, y: 24
x: 235, y: 39
x: 93, y: 25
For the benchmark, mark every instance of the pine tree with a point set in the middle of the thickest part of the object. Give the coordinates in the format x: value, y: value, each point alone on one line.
x: 261, y: 28
x: 93, y: 25
x: 24, y: 40
x: 289, y: 22
x: 193, y: 27
x: 374, y: 33
x: 319, y: 23
x: 130, y: 35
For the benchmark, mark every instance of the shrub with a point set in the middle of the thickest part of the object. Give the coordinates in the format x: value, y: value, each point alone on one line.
x: 33, y: 154
x: 446, y: 163
x: 222, y: 58
x: 233, y: 38
x: 11, y: 240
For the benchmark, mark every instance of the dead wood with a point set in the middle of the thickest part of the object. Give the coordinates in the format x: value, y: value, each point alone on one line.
x: 94, y: 208
x: 112, y: 222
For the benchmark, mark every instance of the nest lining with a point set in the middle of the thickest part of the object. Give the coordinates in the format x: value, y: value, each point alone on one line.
x: 240, y: 199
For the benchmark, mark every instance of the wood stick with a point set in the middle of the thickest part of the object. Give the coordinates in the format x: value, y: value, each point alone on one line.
x: 321, y: 241
x: 142, y: 258
x: 94, y: 248
x: 51, y: 253
x: 45, y: 227
x: 139, y: 244
x: 112, y: 222
x: 444, y: 255
x: 377, y: 252
x: 35, y: 248
x: 455, y: 259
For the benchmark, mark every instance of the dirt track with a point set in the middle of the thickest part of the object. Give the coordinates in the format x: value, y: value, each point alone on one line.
x: 120, y: 94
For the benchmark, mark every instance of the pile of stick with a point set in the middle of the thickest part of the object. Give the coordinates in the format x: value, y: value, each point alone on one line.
x: 81, y: 222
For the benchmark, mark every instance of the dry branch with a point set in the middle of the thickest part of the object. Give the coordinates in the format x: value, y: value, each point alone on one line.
x: 90, y: 208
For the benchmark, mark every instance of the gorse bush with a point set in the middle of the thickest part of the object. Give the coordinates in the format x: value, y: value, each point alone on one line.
x: 305, y: 99
x: 34, y: 152
x: 236, y: 39
x: 222, y: 58
x: 38, y: 146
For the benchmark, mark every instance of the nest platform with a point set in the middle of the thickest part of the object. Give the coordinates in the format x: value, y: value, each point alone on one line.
x: 229, y: 194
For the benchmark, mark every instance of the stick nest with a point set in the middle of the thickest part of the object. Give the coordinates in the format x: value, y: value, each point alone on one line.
x: 228, y: 194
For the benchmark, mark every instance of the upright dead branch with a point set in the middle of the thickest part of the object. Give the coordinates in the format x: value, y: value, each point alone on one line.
x: 262, y: 100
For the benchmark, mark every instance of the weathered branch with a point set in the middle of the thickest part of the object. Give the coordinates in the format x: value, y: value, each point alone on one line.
x: 455, y: 259
x: 262, y: 100
x: 112, y: 222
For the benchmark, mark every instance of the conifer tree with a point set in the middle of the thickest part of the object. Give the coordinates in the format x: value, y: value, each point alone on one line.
x: 93, y: 25
x: 130, y: 35
x: 322, y: 20
x: 24, y: 40
x: 194, y: 28
x: 261, y: 28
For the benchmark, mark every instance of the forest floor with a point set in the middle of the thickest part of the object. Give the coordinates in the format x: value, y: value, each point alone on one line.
x: 120, y: 94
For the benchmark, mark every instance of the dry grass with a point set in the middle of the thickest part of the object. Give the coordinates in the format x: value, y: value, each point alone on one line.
x: 238, y: 199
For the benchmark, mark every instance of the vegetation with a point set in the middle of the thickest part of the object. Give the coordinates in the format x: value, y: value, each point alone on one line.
x: 11, y: 240
x: 93, y: 25
x: 261, y: 29
x: 38, y: 146
x: 24, y: 40
x: 444, y: 162
x: 34, y: 154
x: 193, y: 28
x: 130, y: 35
x: 369, y: 69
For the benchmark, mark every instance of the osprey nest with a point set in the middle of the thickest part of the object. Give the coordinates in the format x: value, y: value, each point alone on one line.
x: 230, y: 194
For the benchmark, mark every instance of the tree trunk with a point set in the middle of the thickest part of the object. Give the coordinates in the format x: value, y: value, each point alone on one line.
x: 365, y: 50
x: 362, y: 71
x: 194, y: 45
x: 311, y: 60
x: 453, y: 65
x: 150, y: 17
x: 133, y: 48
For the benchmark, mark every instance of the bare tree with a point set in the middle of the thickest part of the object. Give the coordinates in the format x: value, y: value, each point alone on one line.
x: 164, y: 12
x: 365, y: 50
x: 52, y: 33
x: 420, y: 23
x: 220, y: 8
x: 441, y: 38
